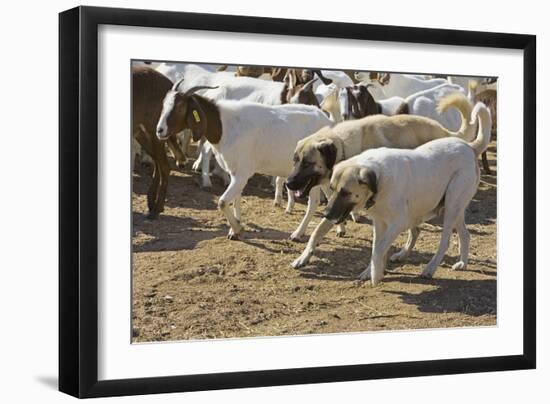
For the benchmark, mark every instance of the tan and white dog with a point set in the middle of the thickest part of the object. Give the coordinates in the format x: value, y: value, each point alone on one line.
x: 316, y: 155
x: 403, y: 188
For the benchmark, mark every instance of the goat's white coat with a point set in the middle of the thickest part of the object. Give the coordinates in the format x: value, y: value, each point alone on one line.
x: 259, y: 139
x: 400, y: 85
x: 423, y: 103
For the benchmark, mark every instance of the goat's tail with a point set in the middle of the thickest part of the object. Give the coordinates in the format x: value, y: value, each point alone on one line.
x: 464, y: 107
x: 481, y: 113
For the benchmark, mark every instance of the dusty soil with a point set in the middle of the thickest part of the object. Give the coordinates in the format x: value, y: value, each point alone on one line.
x: 190, y: 282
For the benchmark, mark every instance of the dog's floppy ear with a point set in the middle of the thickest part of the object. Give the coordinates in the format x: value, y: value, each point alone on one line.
x: 328, y: 151
x: 368, y: 177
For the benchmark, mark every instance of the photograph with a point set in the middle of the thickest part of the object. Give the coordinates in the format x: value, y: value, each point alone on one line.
x: 272, y: 201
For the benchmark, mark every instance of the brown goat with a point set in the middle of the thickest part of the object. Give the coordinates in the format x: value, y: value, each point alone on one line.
x: 489, y: 98
x: 148, y: 90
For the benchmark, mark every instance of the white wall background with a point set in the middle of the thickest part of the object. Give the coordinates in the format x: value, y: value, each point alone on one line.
x: 28, y: 200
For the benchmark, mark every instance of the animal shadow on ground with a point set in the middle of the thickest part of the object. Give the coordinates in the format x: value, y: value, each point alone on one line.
x: 172, y: 233
x: 348, y: 263
x: 472, y: 297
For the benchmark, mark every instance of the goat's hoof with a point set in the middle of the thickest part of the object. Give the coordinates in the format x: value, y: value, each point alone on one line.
x: 234, y: 235
x: 365, y: 275
x: 398, y: 256
x: 426, y: 274
x: 153, y: 215
x: 296, y: 238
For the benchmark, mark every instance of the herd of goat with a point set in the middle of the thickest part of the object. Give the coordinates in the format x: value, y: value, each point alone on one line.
x: 360, y: 138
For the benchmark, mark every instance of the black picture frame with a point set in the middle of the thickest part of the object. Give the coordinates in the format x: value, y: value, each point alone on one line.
x: 78, y: 201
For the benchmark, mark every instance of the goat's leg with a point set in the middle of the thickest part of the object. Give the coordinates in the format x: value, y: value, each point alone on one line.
x: 184, y: 140
x: 151, y: 145
x: 290, y: 203
x: 231, y: 194
x: 152, y: 192
x: 206, y: 154
x: 163, y: 185
x: 176, y: 152
x: 279, y: 183
x: 485, y: 163
x: 198, y: 161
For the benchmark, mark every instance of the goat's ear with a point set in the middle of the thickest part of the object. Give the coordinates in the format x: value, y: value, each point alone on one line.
x: 368, y: 177
x: 384, y: 79
x: 196, y: 118
x: 328, y: 151
x: 203, y: 118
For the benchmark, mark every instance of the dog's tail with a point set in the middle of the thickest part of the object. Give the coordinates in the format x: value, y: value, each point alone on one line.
x: 464, y: 107
x: 481, y: 113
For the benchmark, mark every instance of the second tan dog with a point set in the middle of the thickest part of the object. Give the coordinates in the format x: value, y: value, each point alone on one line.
x: 316, y: 155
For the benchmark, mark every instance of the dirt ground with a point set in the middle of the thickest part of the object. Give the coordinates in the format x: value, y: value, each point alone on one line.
x: 190, y: 282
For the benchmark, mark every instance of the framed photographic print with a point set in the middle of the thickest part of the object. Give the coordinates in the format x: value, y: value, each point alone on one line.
x: 251, y: 201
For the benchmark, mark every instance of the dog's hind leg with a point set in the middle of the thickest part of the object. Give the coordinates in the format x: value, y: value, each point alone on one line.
x: 409, y: 245
x: 463, y: 242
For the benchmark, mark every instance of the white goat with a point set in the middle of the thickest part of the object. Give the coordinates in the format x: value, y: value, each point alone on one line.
x: 246, y: 138
x: 401, y: 85
x: 423, y: 103
x: 231, y: 87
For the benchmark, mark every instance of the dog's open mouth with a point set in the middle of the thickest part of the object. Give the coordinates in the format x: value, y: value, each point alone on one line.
x: 301, y: 193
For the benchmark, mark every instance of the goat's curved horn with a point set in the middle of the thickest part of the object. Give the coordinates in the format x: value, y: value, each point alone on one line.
x: 309, y: 84
x: 319, y: 74
x: 198, y: 88
x: 177, y: 84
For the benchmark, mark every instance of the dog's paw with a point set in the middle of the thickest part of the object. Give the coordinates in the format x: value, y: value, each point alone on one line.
x: 296, y: 237
x: 196, y: 165
x: 301, y: 261
x: 355, y: 217
x: 459, y: 266
x: 277, y: 202
x: 340, y: 233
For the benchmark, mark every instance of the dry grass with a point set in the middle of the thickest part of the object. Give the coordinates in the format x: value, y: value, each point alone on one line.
x: 190, y: 282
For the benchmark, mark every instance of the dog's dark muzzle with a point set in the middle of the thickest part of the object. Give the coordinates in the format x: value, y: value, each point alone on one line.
x: 301, y: 182
x: 338, y: 209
